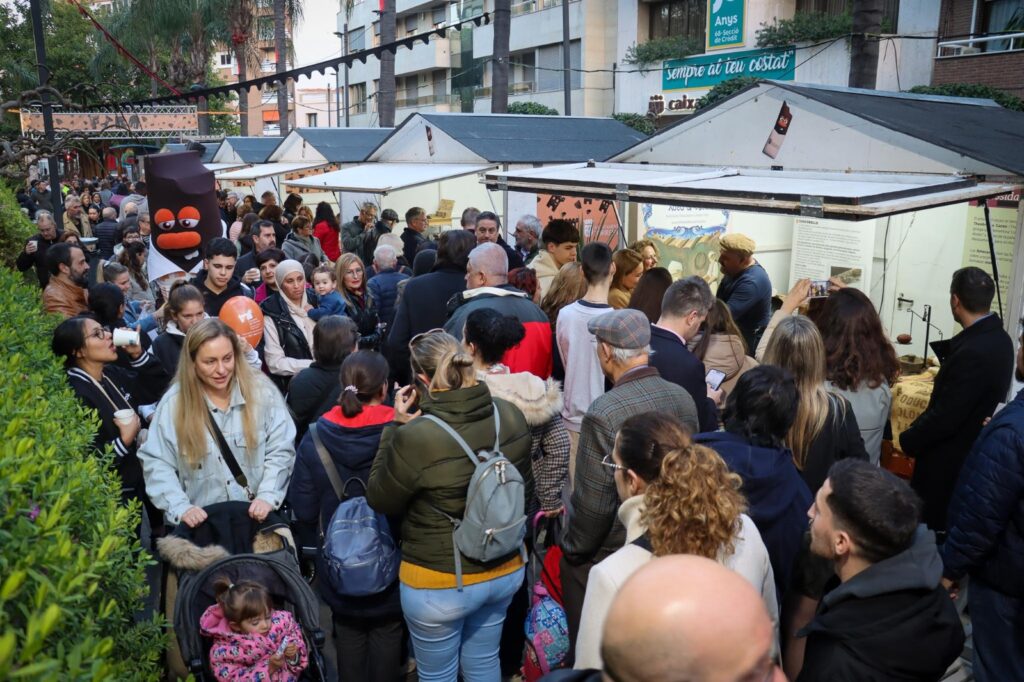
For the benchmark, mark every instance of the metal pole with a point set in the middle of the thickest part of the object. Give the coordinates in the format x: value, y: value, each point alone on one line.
x: 344, y: 48
x: 329, y: 102
x: 566, y: 60
x: 992, y: 255
x: 43, y: 73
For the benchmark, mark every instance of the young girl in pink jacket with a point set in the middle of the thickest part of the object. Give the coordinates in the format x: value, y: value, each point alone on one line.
x: 252, y: 642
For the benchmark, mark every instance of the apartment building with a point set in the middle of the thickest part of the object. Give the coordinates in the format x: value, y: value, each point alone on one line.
x: 263, y: 113
x: 981, y: 41
x: 453, y: 74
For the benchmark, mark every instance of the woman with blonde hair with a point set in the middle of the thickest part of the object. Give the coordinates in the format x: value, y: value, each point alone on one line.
x: 629, y: 267
x: 218, y: 409
x: 359, y: 303
x: 567, y: 287
x: 421, y: 475
x: 677, y: 498
x: 648, y: 251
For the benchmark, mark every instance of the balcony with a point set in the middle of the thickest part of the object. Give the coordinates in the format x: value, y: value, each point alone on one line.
x: 1008, y: 42
x: 432, y: 100
x: 434, y: 55
x: 524, y: 88
x: 530, y: 6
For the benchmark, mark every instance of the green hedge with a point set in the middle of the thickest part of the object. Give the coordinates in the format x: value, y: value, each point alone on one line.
x: 15, y: 227
x: 72, y: 574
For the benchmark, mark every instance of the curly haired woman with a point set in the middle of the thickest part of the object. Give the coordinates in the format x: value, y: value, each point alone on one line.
x: 677, y: 498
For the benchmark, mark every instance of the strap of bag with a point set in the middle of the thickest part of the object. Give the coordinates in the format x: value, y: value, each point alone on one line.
x: 462, y: 441
x: 229, y: 459
x: 325, y: 459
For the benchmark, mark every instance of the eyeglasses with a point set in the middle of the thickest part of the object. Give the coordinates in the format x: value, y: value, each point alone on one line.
x: 419, y: 337
x: 607, y: 462
x: 100, y: 333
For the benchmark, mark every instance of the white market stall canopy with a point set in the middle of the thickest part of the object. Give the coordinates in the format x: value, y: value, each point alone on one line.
x: 221, y: 167
x: 382, y: 178
x: 265, y: 170
x: 842, y: 196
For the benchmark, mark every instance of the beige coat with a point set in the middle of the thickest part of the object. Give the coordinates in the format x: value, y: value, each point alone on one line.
x: 725, y: 353
x: 545, y: 268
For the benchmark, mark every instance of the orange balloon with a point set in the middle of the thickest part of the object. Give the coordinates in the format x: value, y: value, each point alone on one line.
x: 243, y: 314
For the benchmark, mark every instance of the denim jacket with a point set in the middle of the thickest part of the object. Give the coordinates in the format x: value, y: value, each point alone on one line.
x: 174, y: 486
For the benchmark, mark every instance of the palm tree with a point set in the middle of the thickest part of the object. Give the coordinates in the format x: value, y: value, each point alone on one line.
x: 283, y: 11
x: 499, y: 62
x: 386, y: 89
x: 234, y: 27
x: 867, y: 19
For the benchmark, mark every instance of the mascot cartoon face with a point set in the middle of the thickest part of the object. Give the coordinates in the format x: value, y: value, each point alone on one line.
x: 182, y: 206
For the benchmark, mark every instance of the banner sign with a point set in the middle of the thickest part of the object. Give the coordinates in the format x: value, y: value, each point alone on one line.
x: 725, y: 23
x: 116, y: 124
x: 706, y: 71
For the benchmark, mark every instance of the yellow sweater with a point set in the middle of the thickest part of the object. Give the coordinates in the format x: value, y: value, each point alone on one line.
x: 428, y: 579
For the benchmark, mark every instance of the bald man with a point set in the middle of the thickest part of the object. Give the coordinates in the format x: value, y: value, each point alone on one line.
x: 685, y: 618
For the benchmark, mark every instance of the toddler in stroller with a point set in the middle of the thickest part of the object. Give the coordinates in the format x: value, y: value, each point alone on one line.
x: 229, y: 546
x: 250, y: 639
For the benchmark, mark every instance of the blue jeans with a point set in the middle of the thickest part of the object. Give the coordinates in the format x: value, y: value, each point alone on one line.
x: 998, y: 622
x: 448, y: 627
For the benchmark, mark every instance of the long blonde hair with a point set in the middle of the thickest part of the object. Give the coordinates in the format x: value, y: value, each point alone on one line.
x: 344, y: 261
x: 442, y: 358
x: 568, y: 286
x: 192, y: 441
x: 694, y: 505
x: 796, y: 345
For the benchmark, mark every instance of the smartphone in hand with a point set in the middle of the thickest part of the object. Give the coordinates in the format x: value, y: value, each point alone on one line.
x: 714, y: 378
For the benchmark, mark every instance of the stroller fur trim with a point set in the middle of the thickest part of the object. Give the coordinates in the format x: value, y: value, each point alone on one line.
x: 185, y: 555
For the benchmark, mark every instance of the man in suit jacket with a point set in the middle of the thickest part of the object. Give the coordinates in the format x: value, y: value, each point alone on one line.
x: 594, y: 532
x: 683, y: 308
x: 973, y: 378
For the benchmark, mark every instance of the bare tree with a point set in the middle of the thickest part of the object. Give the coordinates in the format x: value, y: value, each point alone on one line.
x: 386, y: 90
x: 499, y: 60
x: 867, y: 19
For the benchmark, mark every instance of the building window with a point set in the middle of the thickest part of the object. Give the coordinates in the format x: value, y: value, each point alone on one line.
x: 439, y: 15
x: 225, y: 59
x: 412, y: 23
x: 523, y: 71
x: 357, y: 98
x: 679, y: 18
x: 1003, y: 16
x: 890, y: 9
x: 549, y: 67
x: 357, y: 40
x: 311, y: 120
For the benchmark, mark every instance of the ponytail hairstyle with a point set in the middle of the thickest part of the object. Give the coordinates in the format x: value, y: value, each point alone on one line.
x: 243, y: 600
x: 437, y: 354
x: 492, y: 333
x: 181, y: 292
x: 363, y: 374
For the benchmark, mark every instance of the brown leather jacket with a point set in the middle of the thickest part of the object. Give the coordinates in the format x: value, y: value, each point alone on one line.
x: 64, y: 297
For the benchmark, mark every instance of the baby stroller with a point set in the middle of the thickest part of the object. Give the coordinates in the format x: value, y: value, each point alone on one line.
x: 231, y: 544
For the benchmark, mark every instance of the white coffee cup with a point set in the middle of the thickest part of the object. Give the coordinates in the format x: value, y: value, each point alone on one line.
x: 252, y: 274
x: 124, y: 417
x: 126, y: 337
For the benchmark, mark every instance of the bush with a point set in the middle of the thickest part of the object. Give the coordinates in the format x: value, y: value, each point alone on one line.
x: 71, y: 571
x: 976, y: 90
x: 804, y: 27
x: 15, y: 227
x: 725, y: 89
x: 637, y: 122
x: 660, y: 49
x: 531, y: 109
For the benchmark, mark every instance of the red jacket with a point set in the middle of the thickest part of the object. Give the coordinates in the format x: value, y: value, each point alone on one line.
x: 328, y: 236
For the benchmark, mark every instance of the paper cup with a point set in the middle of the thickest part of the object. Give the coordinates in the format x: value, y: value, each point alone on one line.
x: 124, y: 417
x: 126, y: 337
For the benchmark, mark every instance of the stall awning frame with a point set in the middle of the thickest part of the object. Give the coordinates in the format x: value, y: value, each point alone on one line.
x: 382, y: 178
x: 222, y: 167
x: 266, y: 170
x: 840, y: 196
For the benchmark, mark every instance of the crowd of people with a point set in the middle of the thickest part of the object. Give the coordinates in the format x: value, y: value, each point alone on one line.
x: 710, y: 469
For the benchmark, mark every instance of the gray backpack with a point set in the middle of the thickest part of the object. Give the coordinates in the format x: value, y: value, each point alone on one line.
x: 494, y: 523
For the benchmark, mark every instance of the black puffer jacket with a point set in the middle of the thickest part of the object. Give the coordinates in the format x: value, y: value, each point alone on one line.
x: 293, y: 341
x: 891, y: 622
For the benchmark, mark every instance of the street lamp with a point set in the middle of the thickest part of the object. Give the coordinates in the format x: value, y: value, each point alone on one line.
x: 344, y: 52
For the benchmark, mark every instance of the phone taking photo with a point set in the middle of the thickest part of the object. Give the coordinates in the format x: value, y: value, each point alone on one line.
x: 714, y: 378
x: 819, y: 288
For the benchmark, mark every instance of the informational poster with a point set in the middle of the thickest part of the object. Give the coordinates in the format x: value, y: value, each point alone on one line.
x: 1003, y: 214
x: 833, y: 248
x: 596, y: 219
x: 687, y: 238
